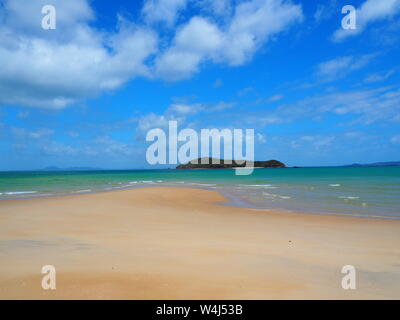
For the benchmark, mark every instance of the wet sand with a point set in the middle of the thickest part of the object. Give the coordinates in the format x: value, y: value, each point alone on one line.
x: 180, y: 243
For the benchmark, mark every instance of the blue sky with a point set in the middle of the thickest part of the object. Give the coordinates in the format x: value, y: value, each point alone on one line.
x: 86, y: 93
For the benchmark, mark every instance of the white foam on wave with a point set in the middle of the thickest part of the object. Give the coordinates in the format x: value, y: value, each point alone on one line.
x: 264, y: 186
x: 147, y: 181
x: 349, y: 198
x: 255, y: 185
x: 81, y: 191
x: 274, y: 196
x: 19, y: 192
x: 204, y: 184
x: 132, y: 182
x: 269, y: 194
x: 335, y: 185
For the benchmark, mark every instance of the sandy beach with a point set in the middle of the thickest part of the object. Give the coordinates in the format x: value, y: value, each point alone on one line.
x: 181, y: 243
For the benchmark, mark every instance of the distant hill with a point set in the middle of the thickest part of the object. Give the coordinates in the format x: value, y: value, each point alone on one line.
x: 376, y: 164
x: 70, y: 169
x: 197, y: 164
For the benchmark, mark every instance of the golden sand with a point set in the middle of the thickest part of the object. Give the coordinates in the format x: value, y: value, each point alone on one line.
x: 180, y: 243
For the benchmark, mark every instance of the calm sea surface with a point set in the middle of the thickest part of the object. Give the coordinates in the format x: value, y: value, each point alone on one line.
x: 358, y: 191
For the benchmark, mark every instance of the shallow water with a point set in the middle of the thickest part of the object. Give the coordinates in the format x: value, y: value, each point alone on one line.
x: 358, y: 191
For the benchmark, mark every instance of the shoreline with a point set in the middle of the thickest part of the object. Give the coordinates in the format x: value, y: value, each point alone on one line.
x: 230, y: 202
x: 180, y: 243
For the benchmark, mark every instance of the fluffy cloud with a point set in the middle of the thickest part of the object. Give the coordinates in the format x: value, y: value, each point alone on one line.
x: 55, y: 68
x: 369, y: 12
x: 165, y: 11
x: 252, y: 25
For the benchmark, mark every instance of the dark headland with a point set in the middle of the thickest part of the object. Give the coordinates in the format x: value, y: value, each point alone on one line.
x: 212, y: 163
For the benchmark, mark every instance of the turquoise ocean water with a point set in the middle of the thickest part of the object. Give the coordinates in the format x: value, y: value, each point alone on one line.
x: 354, y: 191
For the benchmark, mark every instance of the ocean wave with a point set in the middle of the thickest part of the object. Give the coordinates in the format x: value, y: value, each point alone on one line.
x: 335, y: 185
x: 274, y: 196
x: 132, y: 182
x: 258, y: 186
x: 349, y: 198
x: 81, y: 191
x: 19, y: 192
x: 264, y: 186
x: 204, y: 184
x: 269, y: 195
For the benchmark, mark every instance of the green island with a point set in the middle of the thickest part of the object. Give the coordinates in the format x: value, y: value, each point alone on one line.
x: 213, y: 163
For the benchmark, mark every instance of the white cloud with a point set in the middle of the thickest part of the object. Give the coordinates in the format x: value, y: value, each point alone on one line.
x: 261, y: 138
x: 254, y: 23
x: 395, y: 139
x: 165, y: 11
x: 195, y: 41
x: 325, y: 11
x: 379, y: 76
x: 105, y: 144
x: 182, y: 109
x: 180, y: 112
x: 369, y: 12
x: 217, y: 7
x: 361, y: 106
x: 337, y: 67
x: 367, y: 105
x: 316, y: 142
x: 22, y: 133
x: 274, y: 98
x: 58, y: 149
x: 55, y: 68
